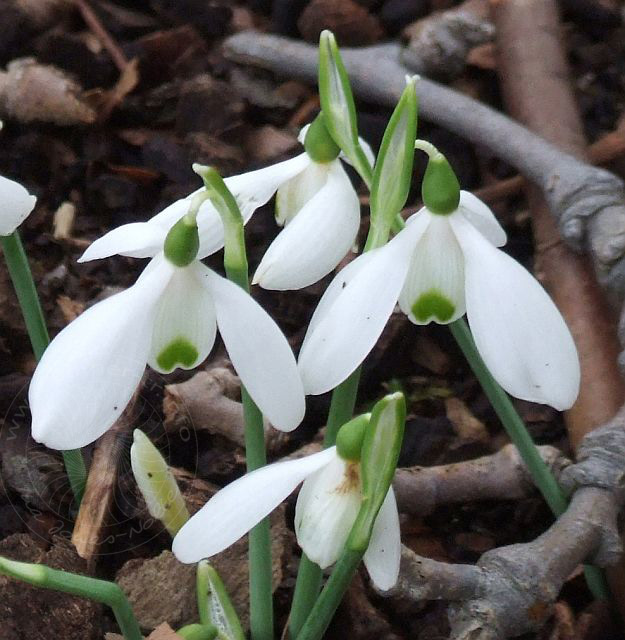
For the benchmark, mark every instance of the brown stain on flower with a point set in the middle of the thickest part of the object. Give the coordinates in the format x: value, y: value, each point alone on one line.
x: 351, y: 478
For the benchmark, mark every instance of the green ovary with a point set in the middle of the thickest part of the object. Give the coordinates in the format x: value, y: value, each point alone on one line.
x: 433, y: 305
x: 178, y: 352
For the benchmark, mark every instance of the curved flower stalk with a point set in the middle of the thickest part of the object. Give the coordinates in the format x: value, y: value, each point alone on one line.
x: 444, y: 263
x: 167, y: 319
x: 316, y: 203
x: 326, y: 510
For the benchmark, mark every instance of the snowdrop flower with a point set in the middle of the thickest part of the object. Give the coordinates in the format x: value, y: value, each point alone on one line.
x: 16, y: 203
x: 444, y: 263
x: 326, y: 510
x: 315, y: 202
x: 168, y: 319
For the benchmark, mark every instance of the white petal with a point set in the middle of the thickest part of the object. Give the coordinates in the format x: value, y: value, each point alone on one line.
x: 299, y: 190
x: 517, y: 328
x: 16, y: 204
x: 482, y: 218
x: 326, y: 510
x: 354, y: 316
x: 383, y: 555
x: 251, y: 191
x: 316, y: 240
x: 89, y: 372
x: 184, y: 325
x: 234, y: 510
x: 434, y: 288
x: 135, y: 240
x: 259, y: 353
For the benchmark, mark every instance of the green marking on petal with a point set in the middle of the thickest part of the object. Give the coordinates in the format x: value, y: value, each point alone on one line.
x: 178, y: 352
x: 433, y: 305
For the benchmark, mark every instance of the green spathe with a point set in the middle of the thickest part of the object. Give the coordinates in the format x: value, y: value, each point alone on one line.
x: 351, y: 436
x: 178, y: 352
x: 182, y: 242
x: 318, y: 142
x: 380, y: 452
x: 440, y: 189
x: 198, y: 632
x: 433, y: 305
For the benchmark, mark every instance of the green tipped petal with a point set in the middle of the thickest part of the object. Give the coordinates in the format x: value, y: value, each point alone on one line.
x: 182, y: 242
x: 179, y: 352
x: 433, y: 305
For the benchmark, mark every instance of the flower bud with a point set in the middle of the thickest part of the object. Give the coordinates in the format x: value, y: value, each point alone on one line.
x: 157, y: 484
x: 318, y: 143
x: 182, y: 242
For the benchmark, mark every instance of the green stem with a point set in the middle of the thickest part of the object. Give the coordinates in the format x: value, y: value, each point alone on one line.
x: 102, y: 591
x: 202, y: 585
x: 235, y: 264
x: 327, y: 603
x: 21, y: 276
x: 518, y: 433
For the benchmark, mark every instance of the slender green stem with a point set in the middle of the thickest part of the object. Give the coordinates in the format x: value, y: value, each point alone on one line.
x: 202, y: 585
x: 108, y: 593
x: 21, y: 276
x: 518, y: 433
x: 19, y: 270
x: 327, y: 603
x: 235, y: 263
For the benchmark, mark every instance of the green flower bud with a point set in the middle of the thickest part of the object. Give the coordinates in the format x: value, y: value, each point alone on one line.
x: 318, y: 143
x: 182, y: 242
x: 440, y: 189
x: 350, y: 437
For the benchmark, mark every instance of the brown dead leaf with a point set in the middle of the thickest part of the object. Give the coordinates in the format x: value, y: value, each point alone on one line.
x: 30, y: 91
x: 465, y: 424
x: 164, y: 632
x: 70, y: 309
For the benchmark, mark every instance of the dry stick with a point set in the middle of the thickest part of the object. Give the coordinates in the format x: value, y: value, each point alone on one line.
x: 96, y: 504
x: 587, y: 202
x: 499, y: 476
x: 511, y: 590
x: 100, y: 32
x: 534, y: 76
x: 607, y: 148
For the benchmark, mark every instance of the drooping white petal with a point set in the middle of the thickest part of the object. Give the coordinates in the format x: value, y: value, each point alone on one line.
x: 434, y: 287
x: 355, y: 314
x: 15, y: 205
x: 299, y: 190
x: 316, y: 240
x: 135, y: 240
x: 234, y: 510
x: 482, y: 218
x: 184, y: 324
x: 383, y: 555
x: 259, y: 353
x: 326, y: 510
x: 517, y: 328
x: 89, y: 372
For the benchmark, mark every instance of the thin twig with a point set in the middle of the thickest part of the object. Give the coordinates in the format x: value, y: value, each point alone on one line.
x: 101, y: 33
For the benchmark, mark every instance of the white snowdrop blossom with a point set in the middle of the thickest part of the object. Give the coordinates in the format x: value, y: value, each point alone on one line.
x: 168, y: 319
x: 16, y: 204
x: 326, y: 510
x: 438, y: 268
x: 316, y: 203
